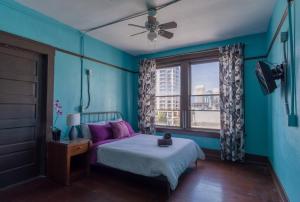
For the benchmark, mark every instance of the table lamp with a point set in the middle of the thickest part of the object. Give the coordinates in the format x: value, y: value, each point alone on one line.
x: 73, y: 120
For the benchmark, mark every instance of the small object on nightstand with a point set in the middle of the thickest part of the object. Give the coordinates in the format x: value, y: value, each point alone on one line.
x: 73, y: 120
x: 68, y: 160
x: 56, y: 133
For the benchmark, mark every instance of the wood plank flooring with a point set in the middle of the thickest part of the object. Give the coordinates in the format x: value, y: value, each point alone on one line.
x: 211, y: 181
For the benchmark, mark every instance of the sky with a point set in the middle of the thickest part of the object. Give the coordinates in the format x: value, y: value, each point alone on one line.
x: 206, y: 74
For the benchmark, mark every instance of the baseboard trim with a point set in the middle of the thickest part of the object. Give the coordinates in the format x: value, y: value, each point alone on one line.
x: 257, y: 159
x: 278, y: 185
x: 22, y: 182
x: 212, y: 154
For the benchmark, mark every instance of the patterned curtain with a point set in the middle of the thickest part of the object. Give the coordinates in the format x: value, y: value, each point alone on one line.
x: 146, y: 105
x: 232, y: 102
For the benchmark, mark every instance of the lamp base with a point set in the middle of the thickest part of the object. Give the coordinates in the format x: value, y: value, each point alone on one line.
x: 73, y: 134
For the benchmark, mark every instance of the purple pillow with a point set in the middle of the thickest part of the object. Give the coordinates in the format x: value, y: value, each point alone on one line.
x: 131, y: 131
x: 101, y: 132
x: 120, y: 129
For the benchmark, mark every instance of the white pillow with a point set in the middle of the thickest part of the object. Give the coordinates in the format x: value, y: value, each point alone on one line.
x: 85, y: 130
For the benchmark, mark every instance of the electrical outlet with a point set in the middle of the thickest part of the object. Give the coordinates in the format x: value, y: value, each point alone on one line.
x: 81, y: 108
x: 284, y: 37
x: 293, y: 121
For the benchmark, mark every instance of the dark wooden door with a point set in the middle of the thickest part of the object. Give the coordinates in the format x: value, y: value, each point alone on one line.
x: 21, y: 115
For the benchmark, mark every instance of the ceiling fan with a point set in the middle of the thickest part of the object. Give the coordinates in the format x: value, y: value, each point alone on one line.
x: 153, y: 27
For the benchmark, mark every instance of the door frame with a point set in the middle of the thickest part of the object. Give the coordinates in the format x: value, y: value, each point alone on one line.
x: 10, y: 40
x: 48, y: 53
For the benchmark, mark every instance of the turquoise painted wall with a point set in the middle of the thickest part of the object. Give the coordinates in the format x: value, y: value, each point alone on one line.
x: 255, y: 102
x: 284, y: 141
x: 112, y: 89
x: 267, y: 132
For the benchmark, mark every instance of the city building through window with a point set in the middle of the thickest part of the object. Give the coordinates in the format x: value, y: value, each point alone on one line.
x: 168, y: 96
x: 187, y: 94
x: 204, y: 97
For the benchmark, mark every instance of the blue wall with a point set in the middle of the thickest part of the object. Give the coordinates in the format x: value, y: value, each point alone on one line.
x: 267, y: 132
x: 112, y: 89
x: 255, y: 102
x: 284, y: 141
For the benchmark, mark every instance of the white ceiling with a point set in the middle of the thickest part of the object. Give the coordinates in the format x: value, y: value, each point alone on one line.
x: 199, y: 21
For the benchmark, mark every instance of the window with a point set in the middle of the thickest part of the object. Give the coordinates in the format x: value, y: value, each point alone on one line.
x: 187, y: 93
x: 204, y: 96
x: 167, y: 101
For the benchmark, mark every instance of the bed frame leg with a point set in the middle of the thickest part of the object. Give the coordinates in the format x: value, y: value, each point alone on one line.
x: 168, y: 190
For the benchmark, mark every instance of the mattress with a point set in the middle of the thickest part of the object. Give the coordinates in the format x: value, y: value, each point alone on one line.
x: 141, y: 155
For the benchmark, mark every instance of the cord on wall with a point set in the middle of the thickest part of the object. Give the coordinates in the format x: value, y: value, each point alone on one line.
x: 81, y: 71
x: 88, y: 73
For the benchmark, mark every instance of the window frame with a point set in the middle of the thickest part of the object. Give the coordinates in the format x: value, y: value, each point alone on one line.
x: 190, y: 94
x: 185, y: 62
x: 165, y: 66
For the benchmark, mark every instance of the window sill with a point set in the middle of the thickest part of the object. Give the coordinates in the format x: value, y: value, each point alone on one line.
x: 195, y: 132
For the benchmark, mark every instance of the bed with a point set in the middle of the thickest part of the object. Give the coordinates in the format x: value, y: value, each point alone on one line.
x: 139, y: 153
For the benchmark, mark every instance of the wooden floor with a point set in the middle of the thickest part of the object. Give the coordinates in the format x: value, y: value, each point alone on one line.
x: 211, y: 181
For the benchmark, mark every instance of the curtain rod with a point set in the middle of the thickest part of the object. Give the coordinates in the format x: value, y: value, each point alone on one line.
x: 208, y: 50
x: 184, y: 54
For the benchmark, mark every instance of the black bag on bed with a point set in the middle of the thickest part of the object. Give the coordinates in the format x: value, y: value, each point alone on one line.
x: 165, y: 141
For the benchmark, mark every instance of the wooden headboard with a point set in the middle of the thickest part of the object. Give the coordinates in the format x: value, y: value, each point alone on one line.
x: 92, y: 117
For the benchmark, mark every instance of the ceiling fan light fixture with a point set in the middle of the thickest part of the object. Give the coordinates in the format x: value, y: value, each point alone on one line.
x: 152, y: 36
x: 154, y: 28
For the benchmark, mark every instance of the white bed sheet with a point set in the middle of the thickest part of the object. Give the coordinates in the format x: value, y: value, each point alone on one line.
x: 141, y: 155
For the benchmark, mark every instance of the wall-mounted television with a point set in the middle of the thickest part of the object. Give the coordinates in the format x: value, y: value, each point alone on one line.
x: 267, y: 76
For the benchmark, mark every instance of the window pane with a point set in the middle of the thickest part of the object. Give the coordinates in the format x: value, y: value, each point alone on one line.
x: 168, y: 103
x: 168, y: 81
x: 167, y: 118
x: 205, y: 119
x: 205, y: 96
x: 205, y: 102
x: 205, y: 78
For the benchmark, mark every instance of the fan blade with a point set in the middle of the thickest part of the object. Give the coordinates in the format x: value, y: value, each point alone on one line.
x: 168, y: 25
x: 137, y: 26
x: 165, y: 34
x: 151, y: 20
x: 138, y: 33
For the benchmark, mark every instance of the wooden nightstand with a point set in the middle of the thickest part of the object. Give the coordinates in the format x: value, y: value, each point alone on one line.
x: 68, y: 160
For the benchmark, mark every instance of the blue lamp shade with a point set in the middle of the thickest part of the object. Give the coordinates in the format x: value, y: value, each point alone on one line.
x: 73, y: 120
